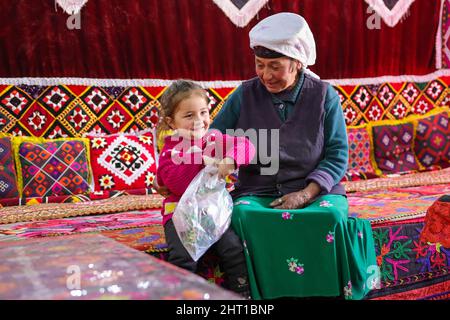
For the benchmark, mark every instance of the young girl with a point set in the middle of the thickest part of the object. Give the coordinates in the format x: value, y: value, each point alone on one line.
x: 184, y: 110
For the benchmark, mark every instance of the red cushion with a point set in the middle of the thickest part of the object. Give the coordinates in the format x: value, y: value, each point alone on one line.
x: 123, y: 161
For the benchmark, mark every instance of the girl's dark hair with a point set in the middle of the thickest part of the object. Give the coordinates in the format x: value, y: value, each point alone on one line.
x: 171, y: 98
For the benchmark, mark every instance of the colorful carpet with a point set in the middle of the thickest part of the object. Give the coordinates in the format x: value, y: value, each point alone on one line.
x: 429, y: 178
x: 404, y: 193
x: 91, y: 267
x: 149, y: 239
x: 378, y: 210
x: 395, y: 204
x: 435, y: 290
x: 47, y: 211
x: 407, y: 264
x: 68, y: 226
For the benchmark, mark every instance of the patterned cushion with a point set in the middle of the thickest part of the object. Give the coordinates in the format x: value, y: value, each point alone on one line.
x: 52, y: 167
x: 8, y: 177
x: 123, y: 161
x: 432, y: 143
x: 393, y: 148
x: 359, y: 164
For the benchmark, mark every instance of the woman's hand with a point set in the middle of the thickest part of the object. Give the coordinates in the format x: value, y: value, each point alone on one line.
x: 294, y: 200
x: 299, y: 199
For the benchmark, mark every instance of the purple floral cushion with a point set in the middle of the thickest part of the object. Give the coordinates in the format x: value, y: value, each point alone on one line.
x: 393, y: 148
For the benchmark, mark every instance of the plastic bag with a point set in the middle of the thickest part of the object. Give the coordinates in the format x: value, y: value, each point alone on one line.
x: 203, y: 213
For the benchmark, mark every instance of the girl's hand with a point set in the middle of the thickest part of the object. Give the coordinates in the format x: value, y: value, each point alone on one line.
x: 226, y: 166
x: 162, y: 190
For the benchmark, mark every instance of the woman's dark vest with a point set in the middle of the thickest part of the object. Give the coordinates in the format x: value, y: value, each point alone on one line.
x: 301, y: 139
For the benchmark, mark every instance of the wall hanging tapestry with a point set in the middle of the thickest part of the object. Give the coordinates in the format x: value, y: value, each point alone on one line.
x: 88, y: 106
x: 138, y: 47
x: 240, y: 12
x: 391, y: 11
x: 71, y: 6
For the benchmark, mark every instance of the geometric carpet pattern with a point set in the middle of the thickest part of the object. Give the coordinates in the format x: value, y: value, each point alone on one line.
x: 73, y: 110
x: 443, y: 37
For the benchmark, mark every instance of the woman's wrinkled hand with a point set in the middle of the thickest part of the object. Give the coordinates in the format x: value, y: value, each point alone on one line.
x: 294, y: 200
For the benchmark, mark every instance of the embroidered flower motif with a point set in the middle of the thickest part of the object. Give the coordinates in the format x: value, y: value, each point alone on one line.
x: 241, y: 202
x: 434, y: 90
x: 294, y: 266
x: 360, y: 234
x: 330, y: 237
x: 299, y: 269
x: 146, y: 139
x: 287, y: 216
x: 435, y: 246
x: 348, y: 290
x: 106, y: 181
x: 326, y: 204
x: 292, y: 263
x: 149, y: 178
x: 98, y: 143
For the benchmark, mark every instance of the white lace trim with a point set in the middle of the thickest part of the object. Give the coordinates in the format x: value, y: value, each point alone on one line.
x: 208, y: 84
x: 111, y: 82
x: 390, y: 79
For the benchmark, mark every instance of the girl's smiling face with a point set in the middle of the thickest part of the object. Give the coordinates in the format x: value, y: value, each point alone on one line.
x: 191, y: 118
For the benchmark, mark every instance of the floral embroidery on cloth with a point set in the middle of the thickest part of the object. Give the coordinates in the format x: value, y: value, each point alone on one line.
x: 295, y: 266
x: 325, y: 204
x: 330, y: 237
x: 287, y: 216
x: 348, y: 290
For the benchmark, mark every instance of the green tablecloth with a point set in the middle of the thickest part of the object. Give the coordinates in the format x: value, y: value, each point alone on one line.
x: 317, y: 251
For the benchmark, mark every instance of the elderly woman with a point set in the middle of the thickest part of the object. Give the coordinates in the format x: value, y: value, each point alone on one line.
x: 298, y: 238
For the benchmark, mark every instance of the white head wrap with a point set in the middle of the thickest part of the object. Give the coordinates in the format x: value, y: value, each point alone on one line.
x: 286, y: 33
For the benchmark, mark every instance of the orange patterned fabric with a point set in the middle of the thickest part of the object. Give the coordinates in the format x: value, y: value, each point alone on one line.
x: 73, y: 110
x: 437, y: 223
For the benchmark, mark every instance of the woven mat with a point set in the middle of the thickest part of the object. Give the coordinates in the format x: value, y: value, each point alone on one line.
x: 48, y: 211
x: 409, y: 180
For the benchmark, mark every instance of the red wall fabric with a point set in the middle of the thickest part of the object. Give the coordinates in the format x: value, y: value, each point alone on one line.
x: 168, y: 39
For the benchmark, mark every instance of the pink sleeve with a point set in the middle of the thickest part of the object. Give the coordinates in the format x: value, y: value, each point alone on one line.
x: 240, y: 149
x: 176, y: 177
